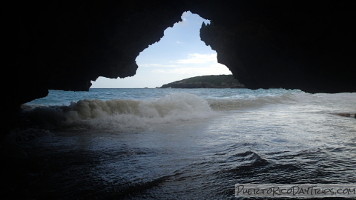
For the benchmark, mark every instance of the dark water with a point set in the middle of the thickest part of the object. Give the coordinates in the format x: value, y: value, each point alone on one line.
x: 178, y: 144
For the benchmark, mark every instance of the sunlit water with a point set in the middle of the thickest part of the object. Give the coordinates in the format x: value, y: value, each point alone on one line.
x: 180, y: 143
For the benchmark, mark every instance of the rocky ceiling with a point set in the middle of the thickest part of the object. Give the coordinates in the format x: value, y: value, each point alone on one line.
x: 309, y: 45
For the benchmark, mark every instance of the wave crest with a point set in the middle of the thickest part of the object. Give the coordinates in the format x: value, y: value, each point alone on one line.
x: 121, y: 114
x: 126, y: 115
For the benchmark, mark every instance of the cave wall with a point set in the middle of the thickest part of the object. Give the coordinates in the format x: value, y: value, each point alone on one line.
x: 266, y: 44
x: 67, y: 44
x: 307, y: 45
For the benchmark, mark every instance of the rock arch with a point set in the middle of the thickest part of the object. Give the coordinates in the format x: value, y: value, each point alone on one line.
x: 288, y: 44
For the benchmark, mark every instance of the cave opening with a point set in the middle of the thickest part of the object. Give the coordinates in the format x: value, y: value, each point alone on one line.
x: 160, y: 143
x: 179, y: 54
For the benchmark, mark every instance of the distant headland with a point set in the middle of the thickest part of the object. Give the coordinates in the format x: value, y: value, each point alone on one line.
x: 211, y: 81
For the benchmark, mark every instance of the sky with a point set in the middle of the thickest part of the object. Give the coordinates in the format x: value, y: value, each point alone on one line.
x: 179, y: 54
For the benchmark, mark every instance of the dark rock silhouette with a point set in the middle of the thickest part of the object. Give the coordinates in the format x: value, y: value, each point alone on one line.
x: 209, y: 81
x: 308, y: 45
x: 287, y: 44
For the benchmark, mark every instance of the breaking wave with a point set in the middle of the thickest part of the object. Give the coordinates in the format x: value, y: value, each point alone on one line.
x: 121, y: 115
x: 128, y: 115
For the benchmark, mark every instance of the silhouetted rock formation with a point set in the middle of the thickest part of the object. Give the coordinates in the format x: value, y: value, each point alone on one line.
x: 287, y: 44
x: 212, y: 81
x: 308, y: 45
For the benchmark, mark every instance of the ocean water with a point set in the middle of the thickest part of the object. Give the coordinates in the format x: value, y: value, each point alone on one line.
x: 178, y: 143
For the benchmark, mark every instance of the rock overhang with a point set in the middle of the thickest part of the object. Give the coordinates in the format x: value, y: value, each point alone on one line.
x: 285, y: 44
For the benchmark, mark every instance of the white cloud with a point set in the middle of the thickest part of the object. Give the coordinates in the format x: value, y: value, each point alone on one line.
x: 194, y: 64
x: 157, y: 65
x: 192, y: 60
x: 197, y: 58
x: 212, y: 69
x: 178, y: 70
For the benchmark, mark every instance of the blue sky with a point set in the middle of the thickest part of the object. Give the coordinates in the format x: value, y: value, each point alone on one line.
x: 179, y: 54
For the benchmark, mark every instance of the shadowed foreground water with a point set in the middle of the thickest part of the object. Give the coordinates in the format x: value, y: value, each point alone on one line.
x: 154, y: 150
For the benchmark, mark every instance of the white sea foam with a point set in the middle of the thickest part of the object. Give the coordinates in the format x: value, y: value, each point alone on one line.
x: 237, y: 104
x: 132, y: 115
x: 124, y: 114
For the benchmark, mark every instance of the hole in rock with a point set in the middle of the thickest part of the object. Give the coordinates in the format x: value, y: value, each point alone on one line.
x: 178, y: 55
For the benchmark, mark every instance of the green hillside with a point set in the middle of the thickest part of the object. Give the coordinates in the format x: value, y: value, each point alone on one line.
x: 211, y: 81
